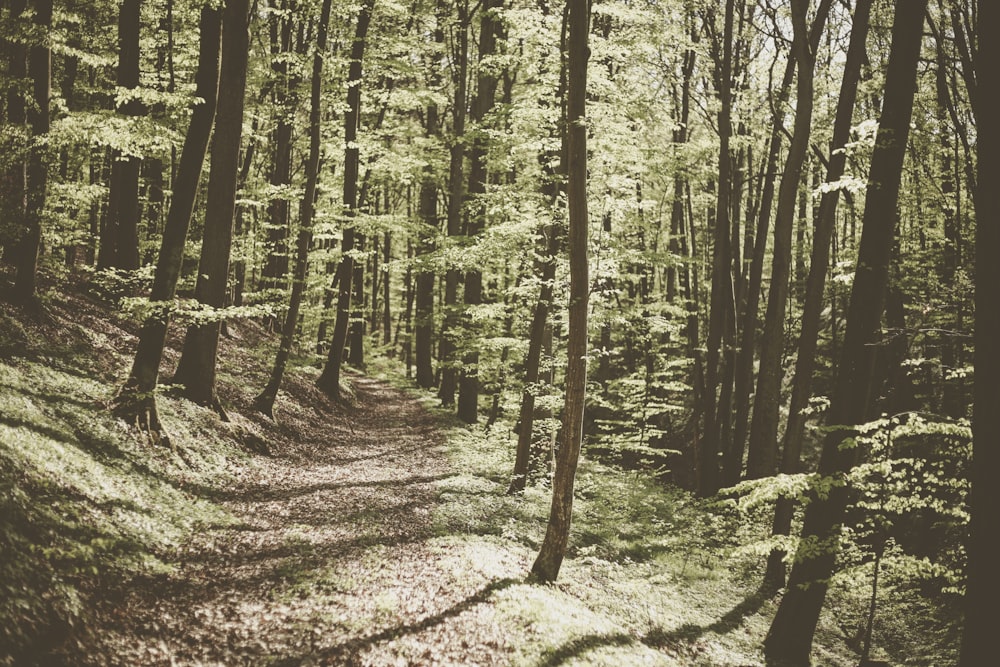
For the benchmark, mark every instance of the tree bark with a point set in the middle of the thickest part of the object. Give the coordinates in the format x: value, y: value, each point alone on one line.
x: 197, y: 366
x: 329, y: 380
x: 982, y: 585
x: 265, y: 400
x: 789, y: 639
x: 721, y: 305
x: 486, y: 85
x: 819, y: 263
x: 40, y: 71
x: 120, y: 242
x: 456, y: 196
x: 136, y: 402
x: 550, y: 556
x: 762, y: 452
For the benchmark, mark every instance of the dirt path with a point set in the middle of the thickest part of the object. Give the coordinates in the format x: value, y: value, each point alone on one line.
x: 333, y: 561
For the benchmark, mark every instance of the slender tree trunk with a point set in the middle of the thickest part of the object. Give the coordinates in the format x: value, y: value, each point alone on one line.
x: 329, y: 380
x: 819, y: 264
x: 40, y: 71
x: 486, y: 84
x: 122, y: 232
x: 791, y: 633
x: 14, y: 186
x: 265, y: 400
x: 286, y: 101
x: 751, y: 306
x: 982, y: 586
x: 197, y: 366
x: 550, y: 556
x: 762, y: 453
x: 425, y: 245
x: 721, y: 305
x: 545, y: 267
x: 456, y: 196
x: 136, y: 402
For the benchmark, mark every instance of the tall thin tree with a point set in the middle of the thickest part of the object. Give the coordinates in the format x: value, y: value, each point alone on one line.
x: 790, y: 637
x: 265, y: 400
x: 136, y: 402
x: 550, y: 555
x: 329, y: 380
x: 196, y: 369
x: 982, y: 586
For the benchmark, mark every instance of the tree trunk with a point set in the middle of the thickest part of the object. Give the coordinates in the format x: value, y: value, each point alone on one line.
x: 40, y: 71
x: 425, y: 245
x: 545, y: 267
x: 136, y: 402
x: 721, y: 305
x: 197, y: 366
x: 819, y: 263
x: 762, y: 453
x: 14, y: 187
x: 286, y: 101
x: 982, y: 586
x: 550, y: 555
x: 265, y: 400
x: 122, y: 233
x: 329, y: 380
x: 486, y: 84
x: 456, y: 196
x: 791, y: 633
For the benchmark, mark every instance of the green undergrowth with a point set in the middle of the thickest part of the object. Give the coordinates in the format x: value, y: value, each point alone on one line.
x: 86, y: 504
x: 653, y: 576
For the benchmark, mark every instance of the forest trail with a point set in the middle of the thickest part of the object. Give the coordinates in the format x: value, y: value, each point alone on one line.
x: 328, y: 562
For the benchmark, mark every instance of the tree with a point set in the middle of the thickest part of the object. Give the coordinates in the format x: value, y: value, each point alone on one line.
x: 819, y: 263
x: 721, y: 307
x: 763, y: 447
x: 136, y: 402
x: 329, y: 380
x: 982, y: 585
x: 790, y: 636
x: 550, y: 555
x: 265, y: 400
x: 486, y: 84
x: 120, y: 237
x: 456, y: 196
x: 197, y: 366
x: 40, y: 70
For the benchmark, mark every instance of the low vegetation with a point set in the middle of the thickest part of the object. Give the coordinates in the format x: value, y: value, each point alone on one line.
x: 117, y: 551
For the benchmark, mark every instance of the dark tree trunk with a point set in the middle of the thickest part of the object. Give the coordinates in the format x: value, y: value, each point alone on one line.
x: 40, y: 71
x: 762, y: 455
x: 550, y: 555
x: 816, y: 282
x: 424, y: 296
x: 790, y: 637
x: 982, y: 586
x: 286, y: 101
x: 122, y: 231
x: 265, y: 400
x: 456, y: 196
x: 14, y: 187
x: 197, y: 366
x: 136, y: 401
x: 486, y: 85
x: 329, y: 380
x: 721, y: 305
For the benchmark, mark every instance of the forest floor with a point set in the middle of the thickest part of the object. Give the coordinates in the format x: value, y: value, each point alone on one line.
x: 370, y: 531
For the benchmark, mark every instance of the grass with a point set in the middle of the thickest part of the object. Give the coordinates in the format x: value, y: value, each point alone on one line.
x: 85, y: 505
x: 652, y: 576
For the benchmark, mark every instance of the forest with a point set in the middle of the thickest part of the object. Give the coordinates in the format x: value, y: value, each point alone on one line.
x: 499, y: 332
